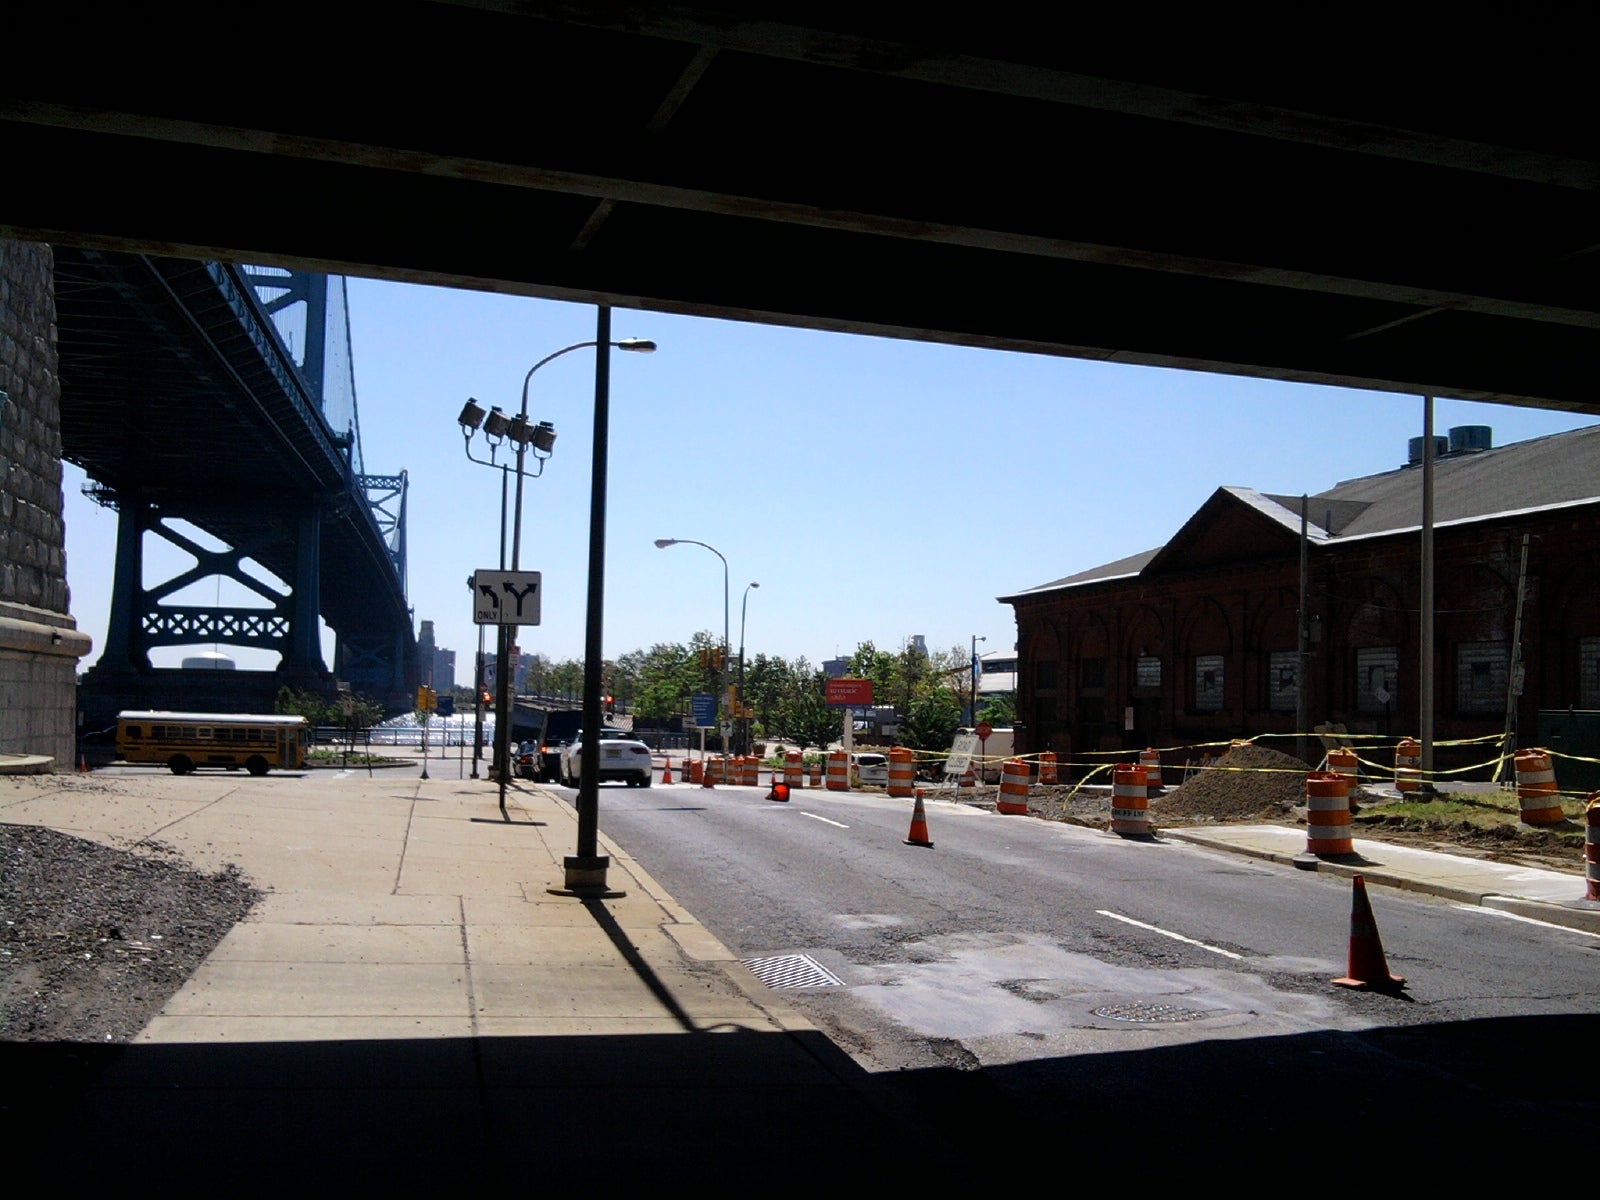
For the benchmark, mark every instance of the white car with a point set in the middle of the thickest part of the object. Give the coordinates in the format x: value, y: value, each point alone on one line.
x: 622, y: 756
x: 870, y: 769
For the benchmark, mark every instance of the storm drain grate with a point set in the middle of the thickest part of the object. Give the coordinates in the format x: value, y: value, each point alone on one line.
x: 1148, y: 1014
x: 792, y: 971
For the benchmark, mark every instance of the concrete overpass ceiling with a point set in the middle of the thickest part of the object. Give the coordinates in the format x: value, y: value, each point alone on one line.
x: 1353, y: 204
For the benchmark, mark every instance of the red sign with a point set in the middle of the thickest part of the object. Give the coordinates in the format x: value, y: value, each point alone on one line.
x: 983, y: 731
x: 842, y: 693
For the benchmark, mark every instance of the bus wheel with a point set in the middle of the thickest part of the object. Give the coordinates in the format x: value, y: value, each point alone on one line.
x: 179, y: 764
x: 256, y: 765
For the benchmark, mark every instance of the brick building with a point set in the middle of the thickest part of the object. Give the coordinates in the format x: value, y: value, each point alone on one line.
x: 1198, y: 640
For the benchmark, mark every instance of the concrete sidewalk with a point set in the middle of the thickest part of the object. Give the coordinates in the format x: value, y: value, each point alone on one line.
x: 412, y: 1007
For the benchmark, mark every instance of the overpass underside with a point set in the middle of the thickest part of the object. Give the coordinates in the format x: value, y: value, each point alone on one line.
x: 1411, y: 210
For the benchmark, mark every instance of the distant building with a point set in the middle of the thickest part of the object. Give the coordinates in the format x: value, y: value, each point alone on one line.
x: 997, y: 674
x: 438, y: 666
x: 425, y: 653
x: 1199, y: 640
x: 444, y: 670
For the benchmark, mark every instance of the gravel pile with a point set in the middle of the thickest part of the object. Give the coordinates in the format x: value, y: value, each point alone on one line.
x: 94, y: 940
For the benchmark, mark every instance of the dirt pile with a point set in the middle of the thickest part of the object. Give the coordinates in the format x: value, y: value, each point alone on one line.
x: 1247, y: 783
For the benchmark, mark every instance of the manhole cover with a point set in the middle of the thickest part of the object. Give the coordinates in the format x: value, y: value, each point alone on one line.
x: 1148, y: 1014
x: 792, y: 971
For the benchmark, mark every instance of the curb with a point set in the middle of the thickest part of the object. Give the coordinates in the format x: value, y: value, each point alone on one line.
x: 1582, y: 916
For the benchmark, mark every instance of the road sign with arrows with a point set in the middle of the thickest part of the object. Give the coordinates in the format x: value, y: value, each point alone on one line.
x: 505, y: 597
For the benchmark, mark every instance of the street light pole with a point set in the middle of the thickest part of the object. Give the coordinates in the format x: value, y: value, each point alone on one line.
x: 541, y: 438
x: 972, y: 717
x: 744, y: 736
x: 662, y: 544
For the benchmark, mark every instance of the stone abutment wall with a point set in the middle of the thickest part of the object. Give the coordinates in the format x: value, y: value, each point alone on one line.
x: 39, y: 642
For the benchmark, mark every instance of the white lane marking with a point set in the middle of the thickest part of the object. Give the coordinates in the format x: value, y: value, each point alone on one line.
x: 814, y: 817
x: 1177, y: 937
x: 1495, y: 912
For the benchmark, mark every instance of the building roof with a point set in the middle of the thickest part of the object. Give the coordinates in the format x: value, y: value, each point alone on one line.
x: 1558, y: 470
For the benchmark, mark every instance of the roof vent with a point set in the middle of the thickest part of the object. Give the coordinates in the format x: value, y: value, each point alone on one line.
x: 1471, y: 439
x: 1441, y: 446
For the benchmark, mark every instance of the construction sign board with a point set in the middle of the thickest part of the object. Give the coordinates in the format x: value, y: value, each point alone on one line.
x: 848, y: 693
x: 962, y: 751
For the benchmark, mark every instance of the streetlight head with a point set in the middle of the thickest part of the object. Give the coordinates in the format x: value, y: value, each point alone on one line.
x: 544, y: 437
x: 496, y: 423
x: 637, y: 345
x: 663, y: 543
x: 471, y: 417
x: 518, y: 431
x: 754, y: 584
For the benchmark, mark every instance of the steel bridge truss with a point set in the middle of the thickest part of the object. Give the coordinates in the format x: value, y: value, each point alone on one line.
x: 386, y: 497
x: 289, y: 627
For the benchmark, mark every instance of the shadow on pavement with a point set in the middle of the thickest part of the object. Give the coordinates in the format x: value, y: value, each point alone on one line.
x: 733, y: 1109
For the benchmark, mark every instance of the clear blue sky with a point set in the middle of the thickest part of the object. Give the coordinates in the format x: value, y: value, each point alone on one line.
x: 874, y: 488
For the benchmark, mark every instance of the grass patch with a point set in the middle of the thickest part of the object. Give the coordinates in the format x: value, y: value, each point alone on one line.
x: 334, y: 758
x: 1486, y: 811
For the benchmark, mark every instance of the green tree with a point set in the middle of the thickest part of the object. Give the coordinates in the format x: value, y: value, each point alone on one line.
x: 805, y: 717
x: 932, y: 722
x: 293, y: 702
x: 999, y: 711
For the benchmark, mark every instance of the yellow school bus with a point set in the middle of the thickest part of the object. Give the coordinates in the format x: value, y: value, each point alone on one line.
x: 184, y: 741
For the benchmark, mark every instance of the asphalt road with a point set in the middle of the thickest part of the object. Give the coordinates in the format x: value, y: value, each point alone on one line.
x: 1050, y: 961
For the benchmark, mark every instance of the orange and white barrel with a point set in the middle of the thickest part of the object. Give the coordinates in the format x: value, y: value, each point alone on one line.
x: 714, y: 771
x: 838, y: 771
x: 1591, y: 847
x: 697, y: 771
x: 1130, y: 800
x: 1328, y: 814
x: 1342, y: 761
x: 749, y: 771
x: 814, y: 775
x: 1407, y: 765
x: 1150, y: 760
x: 902, y: 772
x: 1047, y: 767
x: 1013, y: 788
x: 793, y: 771
x: 1536, y: 789
x: 969, y: 778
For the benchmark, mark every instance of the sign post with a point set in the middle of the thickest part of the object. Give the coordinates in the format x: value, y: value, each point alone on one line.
x: 505, y: 598
x: 848, y: 694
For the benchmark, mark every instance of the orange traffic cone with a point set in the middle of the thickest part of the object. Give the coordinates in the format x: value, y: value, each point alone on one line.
x: 919, y: 825
x: 1366, y: 965
x: 780, y: 790
x: 666, y: 772
x: 83, y: 764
